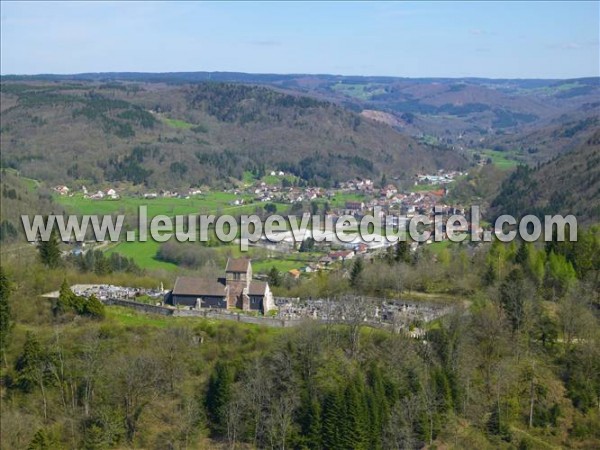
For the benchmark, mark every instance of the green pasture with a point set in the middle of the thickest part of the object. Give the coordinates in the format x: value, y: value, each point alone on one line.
x: 176, y: 123
x: 359, y: 91
x: 211, y: 202
x: 502, y: 160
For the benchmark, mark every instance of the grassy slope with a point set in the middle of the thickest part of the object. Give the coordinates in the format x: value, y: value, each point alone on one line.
x: 144, y: 253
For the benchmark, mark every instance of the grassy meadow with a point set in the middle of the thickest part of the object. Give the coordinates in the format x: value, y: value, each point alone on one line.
x: 502, y: 160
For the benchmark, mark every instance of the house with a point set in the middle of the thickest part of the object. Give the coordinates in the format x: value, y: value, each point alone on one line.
x: 341, y: 255
x: 361, y: 248
x: 236, y: 290
x: 62, y: 190
x: 389, y: 191
x: 97, y: 196
x: 112, y: 194
x: 352, y: 208
x: 294, y: 273
x: 310, y: 268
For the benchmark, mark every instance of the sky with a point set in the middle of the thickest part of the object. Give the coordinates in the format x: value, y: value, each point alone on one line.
x: 407, y: 39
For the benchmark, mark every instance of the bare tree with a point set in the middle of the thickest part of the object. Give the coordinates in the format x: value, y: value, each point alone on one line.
x: 354, y: 311
x: 136, y: 385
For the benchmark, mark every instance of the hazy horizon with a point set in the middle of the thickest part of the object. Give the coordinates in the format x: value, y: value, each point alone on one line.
x: 284, y: 74
x: 501, y: 40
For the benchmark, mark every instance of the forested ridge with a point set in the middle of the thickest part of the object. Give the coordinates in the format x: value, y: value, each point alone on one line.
x: 204, y: 134
x: 568, y: 184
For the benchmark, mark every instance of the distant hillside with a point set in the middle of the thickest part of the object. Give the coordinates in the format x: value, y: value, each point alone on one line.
x: 569, y: 184
x: 542, y: 142
x: 459, y: 112
x: 21, y: 196
x: 180, y: 135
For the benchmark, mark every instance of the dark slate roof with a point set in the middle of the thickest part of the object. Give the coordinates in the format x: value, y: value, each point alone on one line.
x: 198, y: 287
x: 257, y: 288
x: 237, y: 265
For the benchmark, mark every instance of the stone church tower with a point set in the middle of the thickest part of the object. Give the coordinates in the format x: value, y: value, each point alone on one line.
x: 238, y: 275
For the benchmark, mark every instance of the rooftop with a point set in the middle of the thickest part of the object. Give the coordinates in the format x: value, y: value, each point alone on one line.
x: 237, y: 265
x: 196, y: 286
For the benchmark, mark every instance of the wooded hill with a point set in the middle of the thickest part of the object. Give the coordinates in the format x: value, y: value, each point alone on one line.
x: 569, y: 184
x: 177, y: 136
x: 21, y: 196
x: 456, y: 111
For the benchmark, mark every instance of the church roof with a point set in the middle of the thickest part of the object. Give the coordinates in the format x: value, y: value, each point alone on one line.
x: 199, y: 287
x: 257, y: 288
x: 237, y: 265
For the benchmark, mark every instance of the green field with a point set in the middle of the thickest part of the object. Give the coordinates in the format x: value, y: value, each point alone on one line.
x: 143, y: 253
x: 430, y: 140
x: 360, y: 91
x: 211, y: 202
x: 283, y: 265
x: 437, y: 247
x: 31, y: 184
x: 426, y: 187
x: 340, y: 199
x: 276, y: 180
x: 502, y: 160
x: 130, y: 317
x: 176, y: 123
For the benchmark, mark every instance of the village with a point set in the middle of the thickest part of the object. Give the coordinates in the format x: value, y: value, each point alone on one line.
x: 241, y: 293
x: 355, y: 197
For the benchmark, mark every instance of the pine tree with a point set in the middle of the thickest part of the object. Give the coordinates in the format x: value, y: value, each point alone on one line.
x: 489, y: 276
x: 49, y: 250
x: 274, y: 277
x: 102, y: 264
x: 496, y: 425
x: 512, y: 298
x: 356, y: 272
x: 43, y: 440
x: 5, y: 312
x: 442, y: 387
x: 403, y: 252
x: 522, y: 256
x: 354, y: 424
x: 332, y: 419
x: 65, y: 299
x: 94, y: 308
x: 218, y: 395
x: 378, y: 406
x: 94, y: 438
x: 311, y: 422
x: 29, y: 363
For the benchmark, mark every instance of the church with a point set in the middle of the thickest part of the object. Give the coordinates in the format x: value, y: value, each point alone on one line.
x: 236, y: 290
